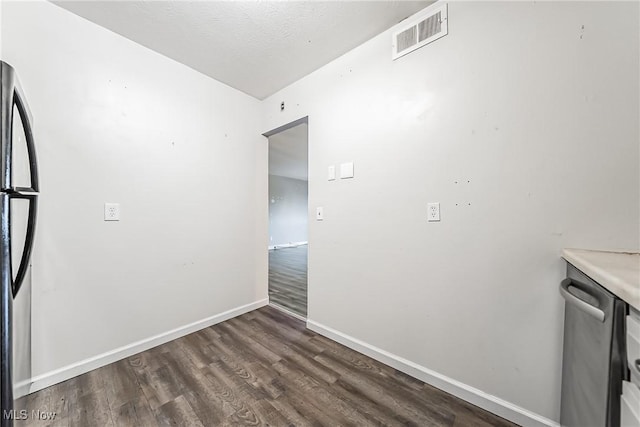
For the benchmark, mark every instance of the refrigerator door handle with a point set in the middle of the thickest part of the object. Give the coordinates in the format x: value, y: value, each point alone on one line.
x: 12, y: 95
x: 577, y: 302
x: 25, y: 116
x: 30, y: 236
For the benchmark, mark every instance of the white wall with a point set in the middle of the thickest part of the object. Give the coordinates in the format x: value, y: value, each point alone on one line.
x: 1, y: 55
x: 183, y: 155
x: 541, y: 116
x: 288, y: 210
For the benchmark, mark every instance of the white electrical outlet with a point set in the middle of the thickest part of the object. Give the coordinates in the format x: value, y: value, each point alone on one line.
x: 346, y: 170
x: 112, y: 211
x: 319, y: 214
x: 433, y: 212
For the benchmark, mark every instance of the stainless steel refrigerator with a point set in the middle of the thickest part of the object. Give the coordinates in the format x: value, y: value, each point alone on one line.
x: 18, y: 208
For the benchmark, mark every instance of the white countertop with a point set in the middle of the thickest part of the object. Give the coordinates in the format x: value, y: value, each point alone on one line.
x: 618, y: 272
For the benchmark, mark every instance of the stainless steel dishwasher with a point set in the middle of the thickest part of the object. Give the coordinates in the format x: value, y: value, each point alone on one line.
x: 593, y: 358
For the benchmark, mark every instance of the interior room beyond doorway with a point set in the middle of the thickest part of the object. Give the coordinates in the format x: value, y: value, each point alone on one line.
x: 288, y: 219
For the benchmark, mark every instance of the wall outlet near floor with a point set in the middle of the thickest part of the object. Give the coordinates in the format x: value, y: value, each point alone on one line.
x: 433, y: 212
x: 319, y: 214
x: 112, y: 211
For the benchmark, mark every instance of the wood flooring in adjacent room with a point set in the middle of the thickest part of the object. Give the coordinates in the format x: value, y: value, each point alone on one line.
x: 263, y: 368
x: 288, y: 278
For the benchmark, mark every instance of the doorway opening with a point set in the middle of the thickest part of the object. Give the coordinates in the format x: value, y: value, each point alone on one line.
x: 288, y: 217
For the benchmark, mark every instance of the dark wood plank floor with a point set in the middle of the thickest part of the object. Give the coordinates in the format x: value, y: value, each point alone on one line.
x: 288, y: 278
x: 263, y: 368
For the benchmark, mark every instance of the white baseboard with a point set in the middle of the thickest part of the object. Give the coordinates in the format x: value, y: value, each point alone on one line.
x: 287, y: 245
x: 472, y: 395
x: 21, y: 389
x: 54, y: 377
x: 287, y: 311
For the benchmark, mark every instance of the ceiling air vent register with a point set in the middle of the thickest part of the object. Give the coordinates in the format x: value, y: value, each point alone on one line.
x: 427, y: 26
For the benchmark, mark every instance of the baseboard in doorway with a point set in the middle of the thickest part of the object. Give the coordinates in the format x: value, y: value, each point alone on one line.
x: 40, y: 382
x: 287, y: 245
x: 287, y: 311
x: 494, y: 404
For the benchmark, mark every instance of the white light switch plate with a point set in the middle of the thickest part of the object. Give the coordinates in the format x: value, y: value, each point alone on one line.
x: 331, y: 173
x: 433, y: 212
x: 346, y: 170
x: 112, y: 211
x: 319, y: 214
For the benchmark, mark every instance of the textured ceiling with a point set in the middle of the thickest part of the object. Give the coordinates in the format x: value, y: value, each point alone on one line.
x: 257, y: 47
x: 288, y: 153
